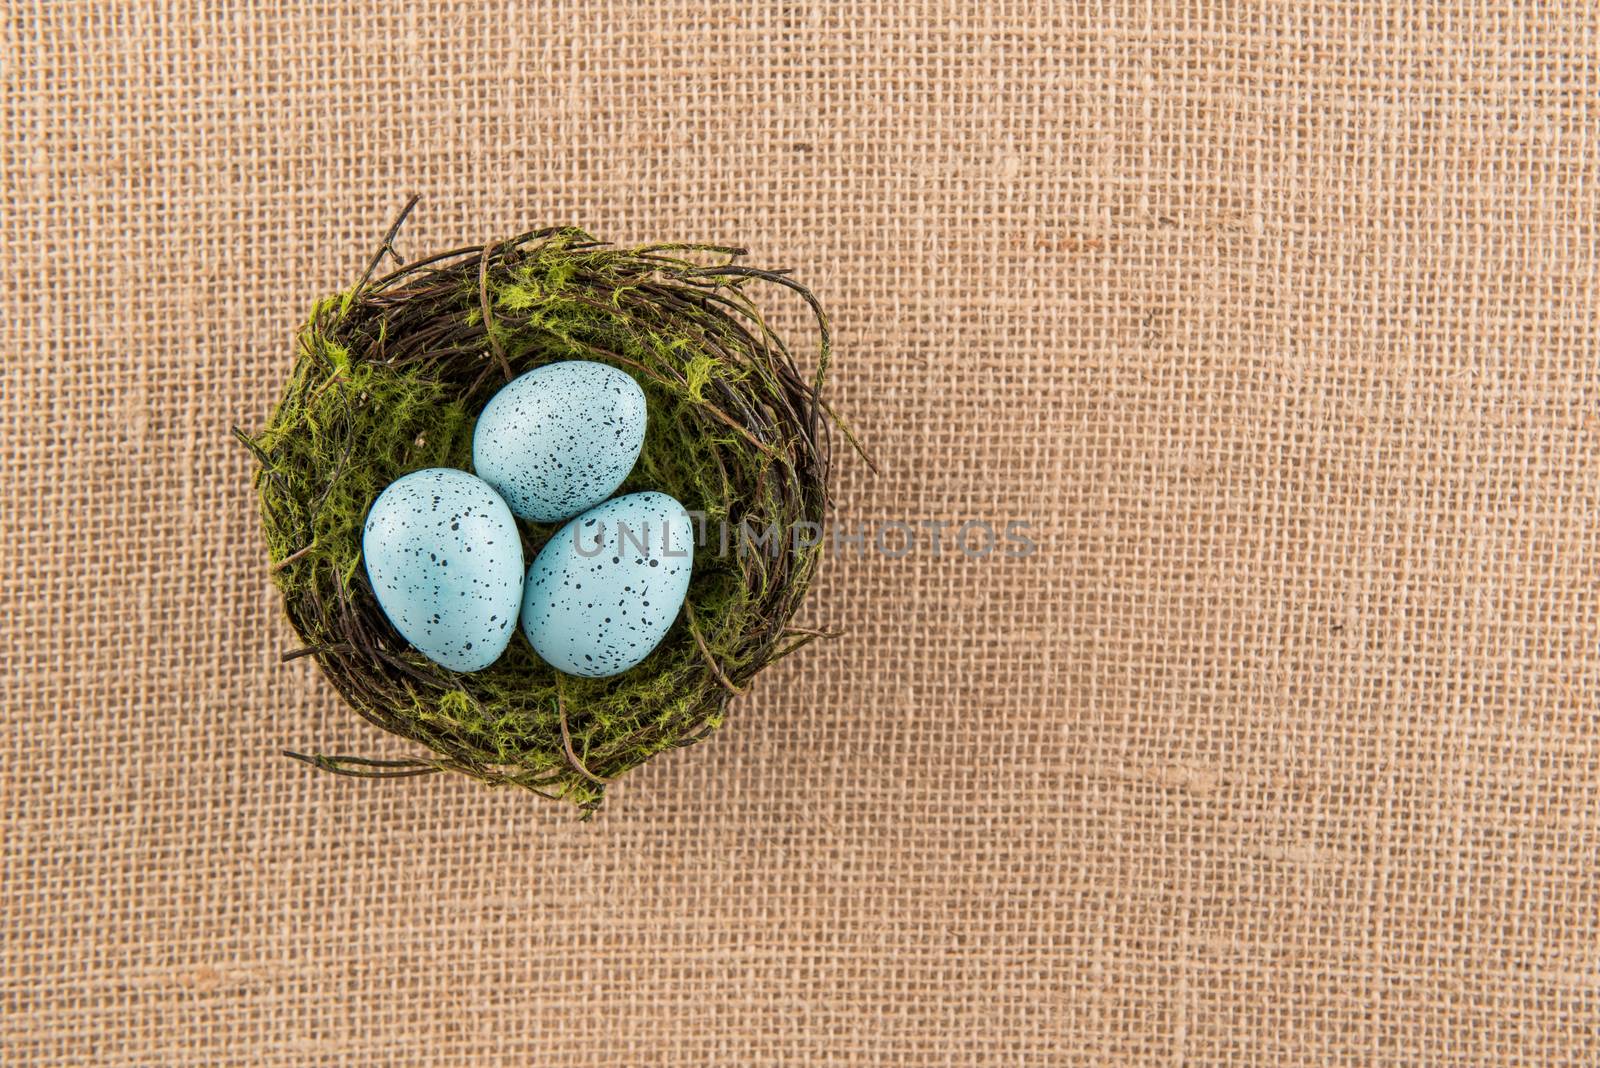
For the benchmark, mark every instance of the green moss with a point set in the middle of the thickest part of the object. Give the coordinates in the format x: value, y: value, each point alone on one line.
x: 388, y: 380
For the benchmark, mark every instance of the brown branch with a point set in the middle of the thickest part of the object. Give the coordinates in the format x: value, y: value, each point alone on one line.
x: 488, y: 317
x: 388, y: 242
x: 376, y: 769
x: 694, y: 629
x: 298, y: 554
x: 566, y: 744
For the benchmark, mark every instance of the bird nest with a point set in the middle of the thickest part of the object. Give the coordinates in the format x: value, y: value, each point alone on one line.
x: 389, y: 377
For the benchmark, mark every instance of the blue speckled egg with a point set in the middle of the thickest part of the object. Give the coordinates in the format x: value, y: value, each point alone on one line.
x: 560, y: 438
x: 445, y: 562
x: 605, y: 589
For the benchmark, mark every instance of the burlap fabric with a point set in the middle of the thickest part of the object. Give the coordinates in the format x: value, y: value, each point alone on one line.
x: 1279, y: 324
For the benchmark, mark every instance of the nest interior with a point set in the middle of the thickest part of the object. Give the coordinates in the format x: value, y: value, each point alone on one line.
x: 389, y: 377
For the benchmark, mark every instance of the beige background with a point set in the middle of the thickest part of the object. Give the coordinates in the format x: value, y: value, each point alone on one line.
x: 1279, y: 321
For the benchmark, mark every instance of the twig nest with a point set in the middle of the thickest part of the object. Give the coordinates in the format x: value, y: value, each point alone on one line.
x: 390, y: 379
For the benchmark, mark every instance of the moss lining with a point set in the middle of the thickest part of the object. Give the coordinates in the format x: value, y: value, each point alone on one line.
x: 388, y: 379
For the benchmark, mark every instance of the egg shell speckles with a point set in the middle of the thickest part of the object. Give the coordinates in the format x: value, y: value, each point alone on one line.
x: 560, y: 438
x: 445, y: 562
x: 604, y: 590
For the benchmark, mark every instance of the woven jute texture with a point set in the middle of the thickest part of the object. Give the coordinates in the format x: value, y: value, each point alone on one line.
x: 1278, y: 323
